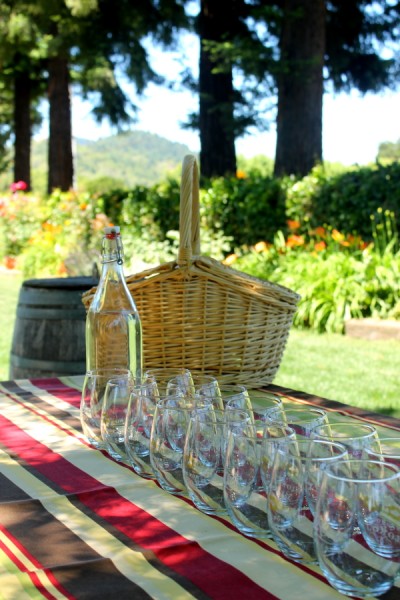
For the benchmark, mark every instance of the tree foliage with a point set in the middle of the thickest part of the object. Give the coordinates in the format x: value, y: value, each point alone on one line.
x: 389, y: 151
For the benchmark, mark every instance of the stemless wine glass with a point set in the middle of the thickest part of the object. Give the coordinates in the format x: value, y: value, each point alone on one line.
x: 113, y: 414
x: 386, y: 449
x: 357, y: 437
x: 366, y: 493
x: 169, y: 382
x: 138, y: 424
x: 268, y: 401
x: 302, y: 419
x: 292, y: 488
x: 93, y: 390
x: 204, y: 454
x: 244, y: 494
x: 273, y: 436
x: 246, y: 463
x: 219, y: 394
x: 167, y: 439
x: 260, y: 414
x: 203, y: 385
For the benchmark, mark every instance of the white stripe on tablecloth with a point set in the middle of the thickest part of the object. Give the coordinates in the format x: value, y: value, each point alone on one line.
x: 269, y: 570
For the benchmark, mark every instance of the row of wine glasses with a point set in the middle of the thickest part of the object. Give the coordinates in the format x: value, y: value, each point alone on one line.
x: 324, y: 492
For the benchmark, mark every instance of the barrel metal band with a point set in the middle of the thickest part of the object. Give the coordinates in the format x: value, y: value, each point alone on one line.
x: 79, y: 367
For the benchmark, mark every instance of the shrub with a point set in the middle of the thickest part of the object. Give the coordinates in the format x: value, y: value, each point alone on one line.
x: 246, y: 210
x: 345, y: 201
x: 338, y: 276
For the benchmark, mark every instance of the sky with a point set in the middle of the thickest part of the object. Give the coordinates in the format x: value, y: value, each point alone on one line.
x: 353, y: 125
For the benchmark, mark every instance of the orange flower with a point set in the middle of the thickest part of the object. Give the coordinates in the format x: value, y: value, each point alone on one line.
x: 319, y: 246
x: 230, y: 259
x: 240, y: 174
x: 10, y: 262
x: 261, y: 247
x: 62, y: 270
x: 320, y: 231
x: 295, y: 240
x: 337, y: 236
x: 293, y: 225
x: 83, y: 206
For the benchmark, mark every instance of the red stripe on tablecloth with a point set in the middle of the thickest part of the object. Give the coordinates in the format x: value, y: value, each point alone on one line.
x: 22, y: 549
x: 185, y: 557
x: 57, y: 388
x: 51, y: 385
x: 23, y: 397
x: 33, y: 576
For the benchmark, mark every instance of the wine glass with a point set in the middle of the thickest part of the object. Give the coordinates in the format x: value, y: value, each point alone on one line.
x: 247, y: 460
x: 204, y: 454
x: 138, y: 424
x: 302, y: 419
x: 386, y: 449
x: 357, y: 437
x: 169, y: 381
x: 357, y: 527
x: 220, y: 395
x: 167, y: 439
x: 292, y: 490
x: 113, y: 414
x: 93, y: 390
x: 260, y: 413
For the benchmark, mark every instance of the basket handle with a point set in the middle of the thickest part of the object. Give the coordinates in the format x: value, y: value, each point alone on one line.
x: 189, y: 215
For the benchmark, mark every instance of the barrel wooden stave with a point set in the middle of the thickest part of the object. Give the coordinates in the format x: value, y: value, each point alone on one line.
x: 49, y: 331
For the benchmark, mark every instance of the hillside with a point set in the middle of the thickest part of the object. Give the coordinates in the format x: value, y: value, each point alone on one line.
x: 132, y: 158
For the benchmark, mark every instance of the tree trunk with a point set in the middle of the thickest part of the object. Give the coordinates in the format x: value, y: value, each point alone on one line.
x: 217, y: 134
x: 60, y: 138
x: 300, y: 87
x: 22, y: 128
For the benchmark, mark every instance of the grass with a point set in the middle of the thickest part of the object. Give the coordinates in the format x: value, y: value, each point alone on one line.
x: 358, y: 372
x: 10, y: 283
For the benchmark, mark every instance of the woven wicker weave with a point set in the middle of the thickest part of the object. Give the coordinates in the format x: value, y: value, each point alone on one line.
x: 205, y: 316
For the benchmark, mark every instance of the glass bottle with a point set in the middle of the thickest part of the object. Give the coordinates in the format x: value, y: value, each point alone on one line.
x: 113, y: 327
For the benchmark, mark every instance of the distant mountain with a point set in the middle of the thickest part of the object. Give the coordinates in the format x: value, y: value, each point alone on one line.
x: 132, y: 158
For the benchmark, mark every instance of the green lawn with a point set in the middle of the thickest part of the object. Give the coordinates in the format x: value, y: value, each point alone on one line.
x: 10, y: 283
x: 357, y: 372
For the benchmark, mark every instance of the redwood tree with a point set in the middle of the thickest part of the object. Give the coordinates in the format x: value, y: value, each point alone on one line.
x: 216, y: 94
x: 300, y: 87
x: 60, y: 159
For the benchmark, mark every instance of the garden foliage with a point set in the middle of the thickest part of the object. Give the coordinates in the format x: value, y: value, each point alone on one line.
x: 332, y: 237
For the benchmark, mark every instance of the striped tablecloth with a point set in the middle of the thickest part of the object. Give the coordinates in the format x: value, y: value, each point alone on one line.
x: 76, y: 524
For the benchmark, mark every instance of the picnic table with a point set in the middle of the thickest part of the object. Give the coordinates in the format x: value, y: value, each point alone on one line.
x: 76, y: 524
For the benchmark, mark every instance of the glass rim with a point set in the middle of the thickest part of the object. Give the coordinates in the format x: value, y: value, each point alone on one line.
x: 386, y: 465
x: 262, y: 438
x: 371, y: 430
x: 308, y: 442
x: 237, y: 415
x: 392, y: 453
x: 162, y: 402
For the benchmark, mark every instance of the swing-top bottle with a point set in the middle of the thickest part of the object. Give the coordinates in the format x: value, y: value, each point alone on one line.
x: 113, y: 327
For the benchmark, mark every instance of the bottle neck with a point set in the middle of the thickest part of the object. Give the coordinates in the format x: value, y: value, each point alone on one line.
x: 112, y: 250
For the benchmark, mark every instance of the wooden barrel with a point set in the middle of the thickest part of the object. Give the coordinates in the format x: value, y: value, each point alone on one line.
x: 49, y: 330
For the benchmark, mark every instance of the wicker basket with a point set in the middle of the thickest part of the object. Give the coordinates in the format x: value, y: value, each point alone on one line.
x: 205, y: 316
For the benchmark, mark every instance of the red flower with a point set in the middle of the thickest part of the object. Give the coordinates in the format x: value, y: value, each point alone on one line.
x: 19, y: 186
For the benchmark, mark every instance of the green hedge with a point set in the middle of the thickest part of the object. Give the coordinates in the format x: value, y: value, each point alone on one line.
x: 347, y: 200
x: 254, y: 208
